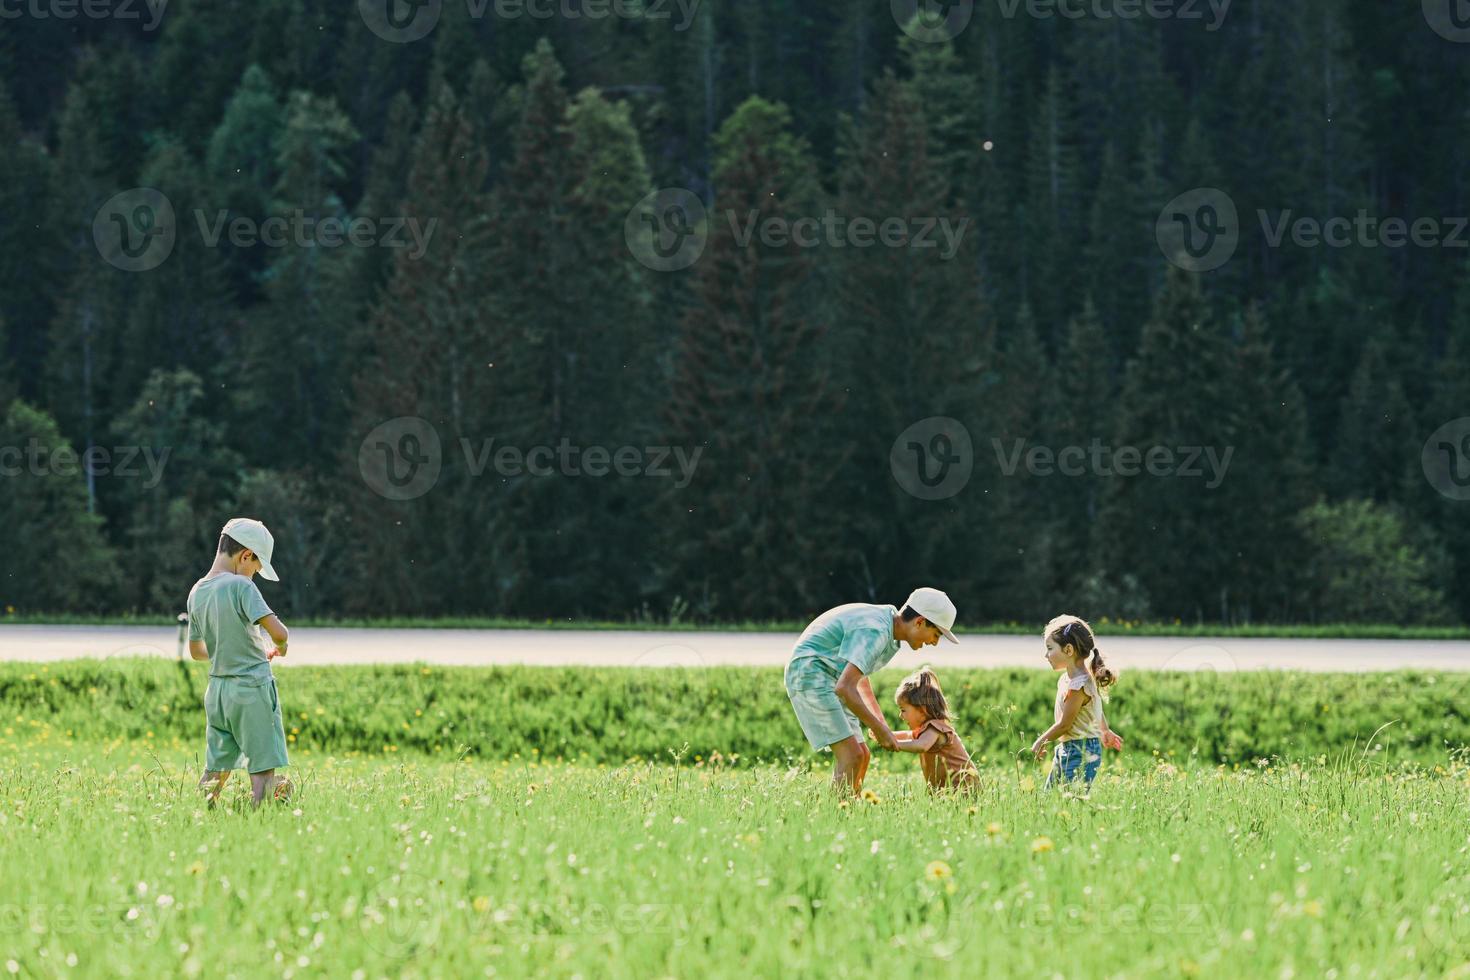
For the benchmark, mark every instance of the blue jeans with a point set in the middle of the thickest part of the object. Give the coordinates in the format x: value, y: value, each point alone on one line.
x: 1078, y: 753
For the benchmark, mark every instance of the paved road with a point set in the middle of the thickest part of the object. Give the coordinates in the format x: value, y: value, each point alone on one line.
x: 619, y: 648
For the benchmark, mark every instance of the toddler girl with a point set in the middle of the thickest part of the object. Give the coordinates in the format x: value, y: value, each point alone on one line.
x: 942, y: 755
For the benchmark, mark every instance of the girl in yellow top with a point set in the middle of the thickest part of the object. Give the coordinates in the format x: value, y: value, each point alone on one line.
x: 942, y: 756
x: 1078, y: 726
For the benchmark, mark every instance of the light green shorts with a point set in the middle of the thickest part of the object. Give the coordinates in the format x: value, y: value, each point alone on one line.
x: 824, y: 718
x: 243, y: 715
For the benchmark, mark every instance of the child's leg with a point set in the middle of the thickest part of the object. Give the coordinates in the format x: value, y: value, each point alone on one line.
x: 261, y: 783
x: 211, y: 783
x: 850, y: 765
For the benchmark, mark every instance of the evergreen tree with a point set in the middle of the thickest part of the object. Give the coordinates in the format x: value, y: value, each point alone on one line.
x: 43, y: 512
x: 30, y: 252
x: 1375, y: 454
x: 751, y: 377
x: 440, y: 353
x: 1155, y: 522
x: 295, y: 377
x: 184, y: 474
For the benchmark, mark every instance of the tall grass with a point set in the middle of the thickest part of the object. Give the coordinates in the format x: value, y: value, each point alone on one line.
x: 110, y: 866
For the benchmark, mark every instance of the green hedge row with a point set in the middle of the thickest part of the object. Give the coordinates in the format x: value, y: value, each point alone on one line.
x: 614, y: 714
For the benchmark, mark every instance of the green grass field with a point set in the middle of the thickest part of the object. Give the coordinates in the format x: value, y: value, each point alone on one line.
x: 110, y: 866
x: 647, y: 823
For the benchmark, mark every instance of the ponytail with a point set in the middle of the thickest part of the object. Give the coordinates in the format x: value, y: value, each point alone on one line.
x: 921, y: 689
x: 1073, y: 630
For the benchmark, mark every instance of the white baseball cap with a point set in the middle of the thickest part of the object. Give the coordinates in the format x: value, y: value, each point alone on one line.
x: 253, y: 535
x: 936, y: 607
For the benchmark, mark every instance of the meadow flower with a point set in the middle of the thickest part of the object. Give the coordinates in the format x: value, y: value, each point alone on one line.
x: 993, y: 828
x: 481, y: 904
x: 1028, y: 785
x: 937, y: 871
x: 870, y: 797
x: 1041, y: 845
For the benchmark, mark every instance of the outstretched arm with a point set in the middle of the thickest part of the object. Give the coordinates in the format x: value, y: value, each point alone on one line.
x: 854, y: 691
x: 922, y: 742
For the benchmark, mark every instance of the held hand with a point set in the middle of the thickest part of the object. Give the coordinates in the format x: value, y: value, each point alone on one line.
x: 1112, y: 740
x: 1038, y: 749
x: 277, y: 652
x: 885, y: 738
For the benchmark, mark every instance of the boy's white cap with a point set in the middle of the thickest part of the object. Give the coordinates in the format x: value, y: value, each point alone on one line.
x: 936, y: 607
x: 253, y: 535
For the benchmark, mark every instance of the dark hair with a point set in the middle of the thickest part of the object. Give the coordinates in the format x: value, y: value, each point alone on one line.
x: 229, y: 547
x: 921, y: 689
x: 908, y: 614
x: 1067, y: 629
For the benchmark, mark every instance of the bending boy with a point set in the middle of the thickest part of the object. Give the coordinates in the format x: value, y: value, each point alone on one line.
x: 228, y: 624
x: 827, y: 676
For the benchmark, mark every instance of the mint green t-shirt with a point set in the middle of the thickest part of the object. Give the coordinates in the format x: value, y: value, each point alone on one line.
x: 858, y: 633
x: 223, y: 612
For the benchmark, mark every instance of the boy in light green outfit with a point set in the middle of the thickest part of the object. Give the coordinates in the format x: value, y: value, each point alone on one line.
x: 229, y: 622
x: 827, y: 675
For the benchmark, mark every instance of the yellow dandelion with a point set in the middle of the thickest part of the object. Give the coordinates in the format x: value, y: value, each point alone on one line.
x: 993, y: 828
x: 1312, y: 908
x: 1028, y: 785
x: 842, y: 804
x: 870, y: 797
x: 1041, y: 845
x: 482, y: 904
x: 937, y: 871
x: 197, y: 868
